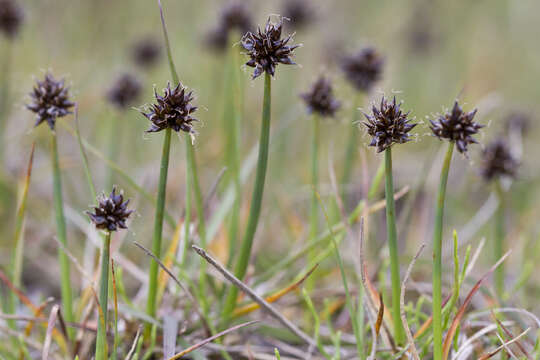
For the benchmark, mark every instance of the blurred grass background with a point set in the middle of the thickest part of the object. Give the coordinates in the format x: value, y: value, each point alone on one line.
x: 484, y: 52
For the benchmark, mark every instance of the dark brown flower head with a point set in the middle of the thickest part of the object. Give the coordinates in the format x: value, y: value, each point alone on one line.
x: 267, y: 49
x: 299, y: 12
x: 125, y: 91
x: 172, y: 110
x: 363, y: 69
x: 50, y: 100
x: 320, y: 98
x: 458, y: 126
x: 146, y: 52
x: 11, y: 16
x: 388, y: 125
x: 234, y: 16
x: 498, y: 161
x: 111, y: 213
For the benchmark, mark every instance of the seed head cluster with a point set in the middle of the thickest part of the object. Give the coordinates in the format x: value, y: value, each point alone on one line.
x: 458, y: 126
x: 320, y: 98
x: 267, y: 49
x: 498, y: 161
x: 388, y: 125
x: 50, y: 100
x: 363, y: 69
x: 11, y: 17
x: 146, y: 52
x: 125, y: 91
x: 111, y: 213
x: 299, y: 12
x: 172, y: 110
x: 234, y: 16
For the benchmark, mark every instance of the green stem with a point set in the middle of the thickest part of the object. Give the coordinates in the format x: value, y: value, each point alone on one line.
x: 314, y: 207
x: 256, y: 200
x: 498, y: 249
x: 393, y: 247
x: 101, y: 342
x: 437, y: 254
x: 158, y: 230
x: 65, y: 284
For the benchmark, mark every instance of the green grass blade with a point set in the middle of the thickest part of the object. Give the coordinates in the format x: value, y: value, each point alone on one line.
x: 101, y: 341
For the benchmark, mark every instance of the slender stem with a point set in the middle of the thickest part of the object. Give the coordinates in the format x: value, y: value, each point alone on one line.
x: 101, y: 342
x: 314, y: 207
x: 393, y: 247
x: 114, y: 145
x: 498, y: 249
x: 256, y: 200
x: 351, y: 149
x: 437, y: 254
x: 65, y: 284
x: 4, y: 92
x: 158, y: 230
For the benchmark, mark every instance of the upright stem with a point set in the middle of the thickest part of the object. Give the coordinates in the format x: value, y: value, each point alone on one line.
x: 498, y: 249
x: 352, y: 146
x: 437, y: 250
x: 158, y: 230
x: 393, y: 247
x: 314, y: 210
x: 101, y: 342
x: 65, y: 283
x: 256, y: 199
x: 4, y: 93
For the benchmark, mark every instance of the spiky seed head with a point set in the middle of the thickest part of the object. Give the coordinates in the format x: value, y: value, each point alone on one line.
x: 320, y: 98
x: 111, y: 212
x: 125, y: 91
x: 498, y: 161
x: 388, y: 125
x: 363, y: 69
x: 299, y: 12
x: 267, y: 49
x: 146, y: 52
x: 11, y: 17
x: 50, y: 100
x: 172, y: 110
x: 235, y: 15
x: 458, y: 126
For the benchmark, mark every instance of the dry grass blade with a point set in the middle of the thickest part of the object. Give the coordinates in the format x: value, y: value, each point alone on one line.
x: 410, y: 338
x: 212, y: 338
x: 504, y: 345
x: 249, y: 292
x: 134, y: 345
x: 274, y: 297
x: 452, y: 331
x: 182, y: 286
x: 510, y: 335
x: 380, y: 315
x: 50, y: 327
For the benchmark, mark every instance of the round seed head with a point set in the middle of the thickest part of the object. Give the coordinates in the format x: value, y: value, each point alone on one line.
x: 519, y: 121
x: 267, y: 49
x: 111, y: 213
x: 363, y: 69
x: 388, y: 125
x: 146, y: 52
x: 299, y: 12
x: 125, y: 91
x: 320, y: 98
x: 233, y: 16
x: 50, y: 100
x: 458, y: 126
x: 172, y: 110
x: 11, y: 17
x: 498, y: 161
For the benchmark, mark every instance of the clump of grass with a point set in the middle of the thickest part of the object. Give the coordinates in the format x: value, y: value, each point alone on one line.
x: 109, y: 215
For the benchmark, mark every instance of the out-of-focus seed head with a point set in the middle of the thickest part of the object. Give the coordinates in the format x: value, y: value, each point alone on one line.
x: 458, y: 126
x: 518, y: 121
x: 267, y: 49
x: 234, y: 15
x: 50, y: 100
x: 146, y: 52
x: 125, y: 91
x: 388, y: 125
x: 111, y: 213
x: 172, y: 110
x: 11, y: 17
x: 320, y: 98
x: 299, y: 12
x: 363, y: 69
x: 498, y: 161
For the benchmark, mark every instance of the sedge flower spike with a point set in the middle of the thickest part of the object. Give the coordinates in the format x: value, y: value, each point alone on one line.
x: 11, y: 17
x: 125, y: 91
x: 363, y: 69
x: 111, y: 212
x: 498, y: 161
x: 320, y: 98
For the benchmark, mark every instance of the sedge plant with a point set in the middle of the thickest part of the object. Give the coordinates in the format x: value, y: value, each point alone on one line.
x: 388, y: 125
x: 458, y: 128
